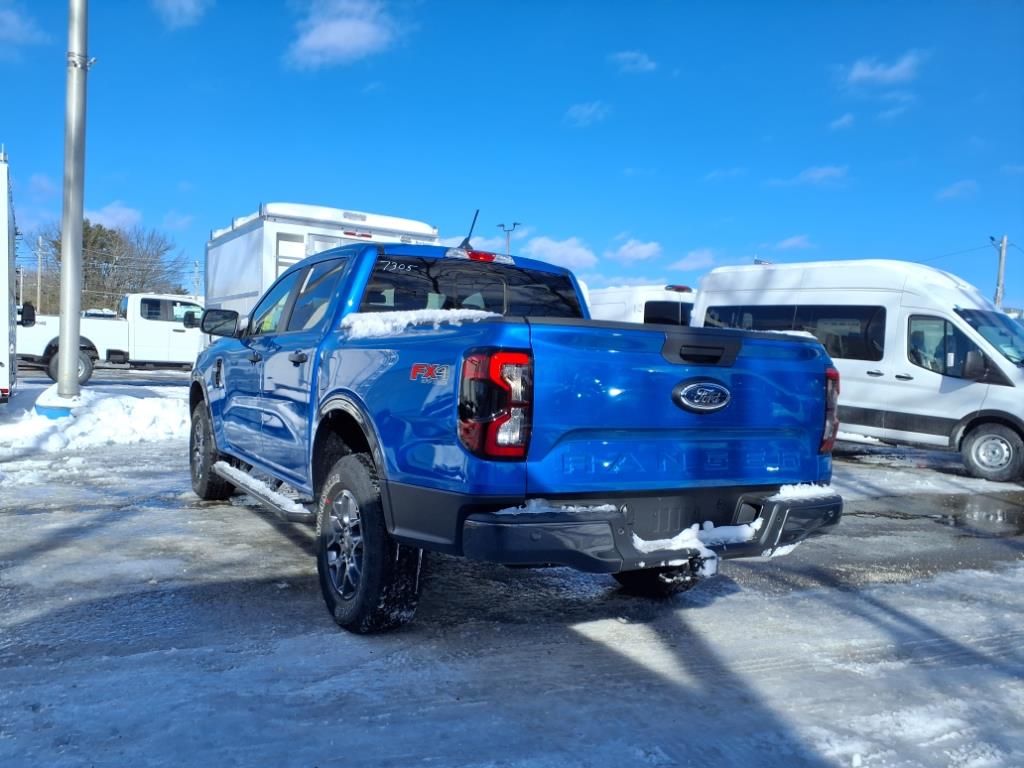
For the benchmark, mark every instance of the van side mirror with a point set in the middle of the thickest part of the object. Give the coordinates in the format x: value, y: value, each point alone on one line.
x: 28, y: 316
x: 975, y: 366
x: 220, y: 322
x: 190, y: 320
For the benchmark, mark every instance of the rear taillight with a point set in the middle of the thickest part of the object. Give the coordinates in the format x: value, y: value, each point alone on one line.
x: 496, y: 403
x: 828, y: 437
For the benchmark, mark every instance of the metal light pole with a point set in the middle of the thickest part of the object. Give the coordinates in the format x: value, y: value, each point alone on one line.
x: 74, y: 184
x: 508, y: 236
x: 1001, y: 273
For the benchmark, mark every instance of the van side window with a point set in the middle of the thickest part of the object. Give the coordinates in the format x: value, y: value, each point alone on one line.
x: 937, y: 345
x: 846, y: 332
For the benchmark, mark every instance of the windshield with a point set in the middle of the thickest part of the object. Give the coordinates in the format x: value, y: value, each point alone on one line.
x: 999, y: 330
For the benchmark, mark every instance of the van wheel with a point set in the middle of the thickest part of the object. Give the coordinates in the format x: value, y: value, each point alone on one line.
x: 369, y: 581
x: 85, y: 366
x: 994, y: 452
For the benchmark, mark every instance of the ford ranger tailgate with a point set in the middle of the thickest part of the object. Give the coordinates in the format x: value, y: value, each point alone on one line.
x: 631, y: 408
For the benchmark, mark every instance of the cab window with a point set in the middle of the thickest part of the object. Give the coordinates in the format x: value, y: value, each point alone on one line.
x: 315, y: 295
x: 269, y: 313
x: 937, y: 345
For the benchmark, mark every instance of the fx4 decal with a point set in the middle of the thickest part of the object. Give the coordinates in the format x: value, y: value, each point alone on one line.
x: 429, y: 373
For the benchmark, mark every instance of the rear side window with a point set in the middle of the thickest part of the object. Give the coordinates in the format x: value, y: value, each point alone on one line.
x: 668, y: 312
x: 846, y: 332
x: 406, y: 283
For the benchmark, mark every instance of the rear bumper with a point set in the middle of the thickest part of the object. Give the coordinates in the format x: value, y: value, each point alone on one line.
x: 605, y: 542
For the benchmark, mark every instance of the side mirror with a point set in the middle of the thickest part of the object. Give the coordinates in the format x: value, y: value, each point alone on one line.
x: 975, y: 366
x: 28, y: 316
x: 190, y: 320
x: 220, y: 322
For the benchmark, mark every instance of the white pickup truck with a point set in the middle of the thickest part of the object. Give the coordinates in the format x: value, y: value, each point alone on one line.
x: 148, y: 329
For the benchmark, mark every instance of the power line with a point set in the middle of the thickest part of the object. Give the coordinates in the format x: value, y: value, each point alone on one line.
x: 955, y: 253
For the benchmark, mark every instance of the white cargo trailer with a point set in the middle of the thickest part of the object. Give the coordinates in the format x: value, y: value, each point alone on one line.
x: 9, y: 313
x: 244, y: 259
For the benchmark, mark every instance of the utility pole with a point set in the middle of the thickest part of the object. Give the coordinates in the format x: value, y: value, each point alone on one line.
x: 74, y: 185
x: 508, y: 236
x: 1001, y: 273
x: 39, y: 273
x: 195, y: 277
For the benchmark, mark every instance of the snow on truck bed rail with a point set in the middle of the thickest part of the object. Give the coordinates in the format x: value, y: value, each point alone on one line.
x: 99, y: 419
x: 371, y: 325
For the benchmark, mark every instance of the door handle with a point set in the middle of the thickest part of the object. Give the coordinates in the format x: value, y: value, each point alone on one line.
x: 178, y: 330
x: 904, y: 377
x: 255, y: 357
x: 875, y: 373
x: 298, y: 357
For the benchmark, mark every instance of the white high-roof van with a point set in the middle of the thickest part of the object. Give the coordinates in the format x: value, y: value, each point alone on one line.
x: 668, y: 304
x: 925, y: 359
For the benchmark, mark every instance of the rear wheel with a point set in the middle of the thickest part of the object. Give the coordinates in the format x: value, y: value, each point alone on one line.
x: 656, y: 582
x: 994, y: 452
x: 202, y: 455
x: 369, y: 581
x: 85, y: 366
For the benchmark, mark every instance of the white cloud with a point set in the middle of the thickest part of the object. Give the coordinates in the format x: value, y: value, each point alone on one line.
x: 600, y: 280
x: 174, y: 220
x: 571, y: 252
x: 115, y: 215
x: 176, y: 14
x: 634, y: 250
x: 725, y: 173
x: 1013, y: 170
x: 871, y: 71
x: 889, y: 114
x: 42, y: 187
x: 845, y: 121
x: 587, y: 113
x: 814, y: 176
x: 962, y: 188
x: 17, y: 28
x: 701, y: 258
x: 342, y: 31
x: 796, y: 242
x: 633, y: 62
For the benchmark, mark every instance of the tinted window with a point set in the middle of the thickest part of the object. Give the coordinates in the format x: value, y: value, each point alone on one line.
x: 404, y: 283
x: 150, y: 309
x: 937, y: 345
x: 846, y: 332
x: 315, y: 295
x: 267, y: 316
x: 670, y: 312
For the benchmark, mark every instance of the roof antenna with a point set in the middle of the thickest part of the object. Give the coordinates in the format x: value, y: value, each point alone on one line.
x: 464, y: 245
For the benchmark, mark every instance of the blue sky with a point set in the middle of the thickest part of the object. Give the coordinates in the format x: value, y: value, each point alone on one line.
x: 640, y: 142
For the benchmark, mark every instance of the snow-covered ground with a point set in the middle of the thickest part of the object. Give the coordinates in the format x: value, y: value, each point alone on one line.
x: 139, y: 626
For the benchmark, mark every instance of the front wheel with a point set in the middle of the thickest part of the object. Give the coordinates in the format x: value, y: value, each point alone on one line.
x: 994, y: 452
x: 85, y: 366
x: 202, y: 455
x: 369, y: 581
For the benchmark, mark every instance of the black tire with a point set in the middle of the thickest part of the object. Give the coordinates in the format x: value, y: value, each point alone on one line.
x: 85, y: 366
x: 994, y: 452
x: 202, y: 455
x: 369, y: 581
x: 649, y: 582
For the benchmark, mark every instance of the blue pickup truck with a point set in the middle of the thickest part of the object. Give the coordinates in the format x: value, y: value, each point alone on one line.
x: 410, y: 398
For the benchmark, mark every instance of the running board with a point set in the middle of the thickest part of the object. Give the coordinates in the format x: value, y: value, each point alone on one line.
x: 285, y: 508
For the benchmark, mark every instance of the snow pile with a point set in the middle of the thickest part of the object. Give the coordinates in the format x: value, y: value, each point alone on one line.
x: 852, y: 437
x: 700, y: 537
x: 372, y: 325
x: 543, y: 506
x: 802, y: 491
x: 97, y: 419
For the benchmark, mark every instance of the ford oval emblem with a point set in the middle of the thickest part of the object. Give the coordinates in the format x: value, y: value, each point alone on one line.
x: 701, y: 396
